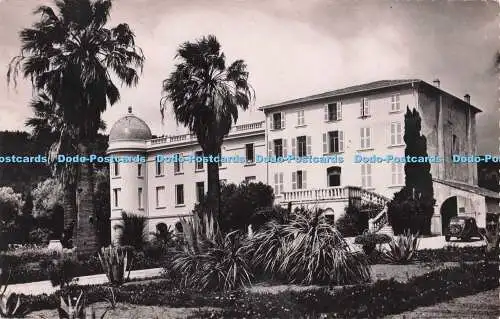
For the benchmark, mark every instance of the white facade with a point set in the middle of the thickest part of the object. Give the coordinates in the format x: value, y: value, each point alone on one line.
x: 365, y: 120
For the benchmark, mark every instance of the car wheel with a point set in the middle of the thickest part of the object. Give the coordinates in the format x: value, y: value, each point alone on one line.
x: 447, y: 238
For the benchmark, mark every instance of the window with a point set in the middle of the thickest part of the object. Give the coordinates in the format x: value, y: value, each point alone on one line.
x: 159, y: 168
x: 116, y: 169
x: 333, y: 142
x: 299, y: 180
x: 277, y: 148
x: 301, y: 146
x: 139, y: 170
x: 199, y: 160
x: 249, y: 153
x: 300, y: 118
x: 139, y: 198
x: 365, y: 107
x: 200, y: 191
x: 333, y: 176
x: 278, y: 183
x: 160, y: 196
x: 455, y: 144
x: 396, y: 133
x: 178, y: 163
x: 116, y: 194
x: 277, y: 121
x: 333, y: 111
x: 250, y: 179
x: 365, y: 138
x: 395, y: 106
x: 366, y: 175
x: 397, y: 174
x: 179, y: 194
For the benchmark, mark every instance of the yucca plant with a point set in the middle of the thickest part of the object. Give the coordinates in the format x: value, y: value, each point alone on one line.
x: 221, y: 266
x: 114, y: 262
x: 198, y: 233
x: 308, y: 250
x: 401, y: 249
x: 10, y: 307
x: 69, y: 310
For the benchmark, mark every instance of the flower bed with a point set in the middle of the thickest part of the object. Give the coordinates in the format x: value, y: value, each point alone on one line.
x: 385, y: 297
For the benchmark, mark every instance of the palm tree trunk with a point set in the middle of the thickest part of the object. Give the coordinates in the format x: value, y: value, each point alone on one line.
x: 86, y: 234
x: 69, y: 204
x: 213, y: 192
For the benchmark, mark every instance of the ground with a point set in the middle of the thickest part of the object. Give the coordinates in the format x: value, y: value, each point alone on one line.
x: 484, y: 305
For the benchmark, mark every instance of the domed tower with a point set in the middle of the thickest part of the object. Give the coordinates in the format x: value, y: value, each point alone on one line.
x: 128, y: 180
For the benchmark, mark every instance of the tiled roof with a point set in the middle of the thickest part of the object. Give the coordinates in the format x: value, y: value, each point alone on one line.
x: 469, y: 188
x: 348, y: 90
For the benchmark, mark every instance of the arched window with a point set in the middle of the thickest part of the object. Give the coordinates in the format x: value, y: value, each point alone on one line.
x: 178, y: 227
x: 333, y: 176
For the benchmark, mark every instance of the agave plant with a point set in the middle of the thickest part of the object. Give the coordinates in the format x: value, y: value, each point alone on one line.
x: 401, y: 249
x: 72, y: 311
x: 114, y: 262
x: 308, y: 250
x: 9, y: 306
x: 198, y: 232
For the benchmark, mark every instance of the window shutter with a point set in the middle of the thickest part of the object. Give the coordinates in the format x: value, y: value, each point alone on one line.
x: 270, y: 148
x: 368, y: 138
x: 282, y: 120
x: 325, y: 145
x: 281, y: 183
x: 276, y: 182
x: 304, y: 179
x: 339, y: 111
x: 361, y: 112
x: 294, y: 180
x: 284, y: 147
x: 309, y: 145
x: 341, y: 141
x: 182, y: 162
x: 271, y: 126
x: 366, y: 107
x: 326, y: 112
x: 362, y: 138
x: 294, y: 146
x: 298, y: 118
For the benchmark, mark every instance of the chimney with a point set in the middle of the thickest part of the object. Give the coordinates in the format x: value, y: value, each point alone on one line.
x: 437, y: 83
x: 467, y: 98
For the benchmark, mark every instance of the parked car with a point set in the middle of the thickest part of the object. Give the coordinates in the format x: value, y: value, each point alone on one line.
x: 463, y: 228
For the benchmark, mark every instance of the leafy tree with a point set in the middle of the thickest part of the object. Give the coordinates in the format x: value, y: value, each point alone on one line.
x: 206, y: 95
x: 413, y: 206
x: 72, y: 57
x: 46, y: 196
x: 11, y: 204
x: 239, y: 205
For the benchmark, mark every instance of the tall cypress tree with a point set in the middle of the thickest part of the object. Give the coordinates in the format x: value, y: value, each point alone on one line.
x: 412, y: 207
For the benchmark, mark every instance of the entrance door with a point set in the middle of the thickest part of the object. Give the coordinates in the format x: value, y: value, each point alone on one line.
x: 448, y: 210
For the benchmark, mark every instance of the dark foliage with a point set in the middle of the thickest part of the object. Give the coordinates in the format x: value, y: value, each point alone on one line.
x: 133, y: 231
x: 369, y: 241
x: 60, y: 271
x: 353, y: 222
x: 238, y: 206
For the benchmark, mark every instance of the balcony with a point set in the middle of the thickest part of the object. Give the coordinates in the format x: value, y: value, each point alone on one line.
x: 187, y: 138
x: 314, y: 195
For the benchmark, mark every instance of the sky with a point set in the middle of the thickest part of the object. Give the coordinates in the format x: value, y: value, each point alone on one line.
x: 294, y: 48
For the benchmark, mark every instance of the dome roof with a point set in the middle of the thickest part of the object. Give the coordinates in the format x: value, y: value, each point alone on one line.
x: 129, y: 127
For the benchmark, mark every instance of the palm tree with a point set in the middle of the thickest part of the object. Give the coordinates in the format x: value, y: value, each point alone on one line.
x: 206, y: 96
x: 70, y: 56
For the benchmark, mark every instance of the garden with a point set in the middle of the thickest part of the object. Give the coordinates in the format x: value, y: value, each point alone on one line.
x: 293, y: 264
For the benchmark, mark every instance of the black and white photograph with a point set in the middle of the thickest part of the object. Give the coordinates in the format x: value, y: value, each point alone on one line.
x: 249, y: 159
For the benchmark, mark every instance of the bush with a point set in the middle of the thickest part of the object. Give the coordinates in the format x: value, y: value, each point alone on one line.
x: 370, y: 240
x: 133, y: 231
x: 308, y: 250
x: 238, y: 204
x: 401, y: 249
x: 355, y: 220
x: 406, y: 213
x: 39, y: 236
x: 60, y: 271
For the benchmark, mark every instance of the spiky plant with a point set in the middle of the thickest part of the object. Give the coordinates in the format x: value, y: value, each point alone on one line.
x: 198, y: 232
x: 72, y: 311
x: 308, y: 250
x: 401, y: 249
x: 10, y: 307
x: 114, y: 262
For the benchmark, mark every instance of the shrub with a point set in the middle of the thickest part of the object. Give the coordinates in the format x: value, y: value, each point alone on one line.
x: 10, y: 307
x: 369, y: 241
x: 308, y: 250
x: 401, y: 249
x: 238, y: 204
x: 133, y: 231
x: 406, y: 213
x: 354, y: 222
x: 60, y: 271
x: 114, y: 262
x: 39, y: 236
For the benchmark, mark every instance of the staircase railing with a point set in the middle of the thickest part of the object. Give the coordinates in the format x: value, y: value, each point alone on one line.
x: 378, y: 222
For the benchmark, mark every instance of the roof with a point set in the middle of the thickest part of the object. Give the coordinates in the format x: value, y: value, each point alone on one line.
x: 469, y: 188
x: 377, y: 85
x: 128, y: 128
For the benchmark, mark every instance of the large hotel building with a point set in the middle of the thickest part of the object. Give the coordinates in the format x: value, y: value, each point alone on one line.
x: 348, y: 123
